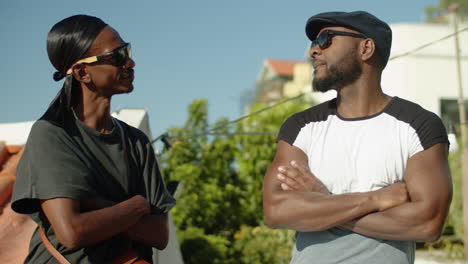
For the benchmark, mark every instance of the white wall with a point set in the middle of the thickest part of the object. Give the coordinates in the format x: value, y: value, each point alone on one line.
x: 430, y: 74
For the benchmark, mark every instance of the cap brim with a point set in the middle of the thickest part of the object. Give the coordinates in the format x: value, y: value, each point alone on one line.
x: 314, y: 25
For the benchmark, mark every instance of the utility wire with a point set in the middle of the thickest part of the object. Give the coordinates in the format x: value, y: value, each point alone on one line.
x: 159, y: 137
x: 255, y: 113
x: 242, y: 133
x: 427, y: 45
x: 208, y: 131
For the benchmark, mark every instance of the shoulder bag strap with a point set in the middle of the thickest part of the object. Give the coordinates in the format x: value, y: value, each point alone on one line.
x: 128, y: 257
x: 59, y: 257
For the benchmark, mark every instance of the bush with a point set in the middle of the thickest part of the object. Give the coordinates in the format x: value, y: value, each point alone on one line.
x: 454, y: 225
x: 452, y: 237
x: 198, y: 247
x: 262, y: 245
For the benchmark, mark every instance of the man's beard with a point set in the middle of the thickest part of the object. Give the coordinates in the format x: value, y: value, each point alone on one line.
x: 339, y: 75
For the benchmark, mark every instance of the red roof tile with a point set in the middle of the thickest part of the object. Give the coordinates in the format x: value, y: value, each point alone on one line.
x: 10, y: 165
x: 283, y: 67
x: 10, y: 156
x: 7, y: 181
x: 15, y: 234
x: 15, y: 229
x: 4, y: 155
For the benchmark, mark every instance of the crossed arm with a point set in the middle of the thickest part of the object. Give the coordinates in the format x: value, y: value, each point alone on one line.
x: 415, y: 210
x: 79, y: 224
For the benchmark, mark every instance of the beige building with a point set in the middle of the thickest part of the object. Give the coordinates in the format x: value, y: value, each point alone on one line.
x: 279, y: 78
x: 285, y: 78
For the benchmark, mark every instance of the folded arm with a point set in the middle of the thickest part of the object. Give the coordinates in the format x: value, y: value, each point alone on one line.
x: 314, y: 211
x: 76, y: 229
x: 150, y: 229
x: 429, y: 186
x: 422, y: 218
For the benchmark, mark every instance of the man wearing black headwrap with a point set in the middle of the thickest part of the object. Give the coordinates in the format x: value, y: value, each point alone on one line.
x: 90, y: 181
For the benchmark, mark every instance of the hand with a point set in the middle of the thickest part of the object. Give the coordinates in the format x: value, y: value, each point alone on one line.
x: 298, y: 177
x: 141, y: 204
x: 391, y: 196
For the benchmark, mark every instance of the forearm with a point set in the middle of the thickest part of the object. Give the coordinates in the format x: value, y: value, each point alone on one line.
x: 411, y: 221
x: 430, y: 189
x: 306, y: 211
x: 314, y: 209
x: 95, y: 203
x: 89, y: 228
x: 152, y: 230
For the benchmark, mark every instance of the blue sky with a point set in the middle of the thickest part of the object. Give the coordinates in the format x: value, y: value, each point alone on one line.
x: 183, y: 50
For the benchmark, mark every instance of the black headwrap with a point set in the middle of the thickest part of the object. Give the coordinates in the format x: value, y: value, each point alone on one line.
x: 67, y: 42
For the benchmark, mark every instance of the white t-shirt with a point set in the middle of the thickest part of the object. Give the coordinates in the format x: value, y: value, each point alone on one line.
x: 359, y: 155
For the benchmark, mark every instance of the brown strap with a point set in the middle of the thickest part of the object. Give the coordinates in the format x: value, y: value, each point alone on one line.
x: 129, y: 256
x: 59, y: 257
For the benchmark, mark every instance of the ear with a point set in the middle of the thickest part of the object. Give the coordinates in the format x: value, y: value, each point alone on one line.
x: 80, y: 73
x: 367, y: 49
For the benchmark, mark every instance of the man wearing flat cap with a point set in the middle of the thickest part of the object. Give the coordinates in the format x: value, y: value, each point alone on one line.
x: 364, y: 176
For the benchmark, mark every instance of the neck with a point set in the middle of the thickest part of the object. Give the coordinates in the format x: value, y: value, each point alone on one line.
x: 94, y: 112
x: 362, y: 98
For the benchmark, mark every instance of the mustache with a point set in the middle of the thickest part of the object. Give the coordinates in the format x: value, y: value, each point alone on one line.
x: 128, y: 73
x: 316, y: 63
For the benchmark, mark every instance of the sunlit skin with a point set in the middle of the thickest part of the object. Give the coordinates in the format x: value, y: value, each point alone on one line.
x: 363, y: 97
x: 101, y: 80
x: 322, y: 60
x: 107, y: 78
x: 334, y: 76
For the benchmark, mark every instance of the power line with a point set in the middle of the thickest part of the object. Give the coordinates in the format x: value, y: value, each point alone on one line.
x: 159, y: 137
x: 255, y: 113
x: 427, y: 45
x: 207, y: 132
x: 243, y: 133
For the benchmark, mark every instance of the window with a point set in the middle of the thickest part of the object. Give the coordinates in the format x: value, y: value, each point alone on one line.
x: 449, y: 111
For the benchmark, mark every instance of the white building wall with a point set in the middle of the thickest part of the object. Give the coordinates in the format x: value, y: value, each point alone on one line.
x: 430, y: 74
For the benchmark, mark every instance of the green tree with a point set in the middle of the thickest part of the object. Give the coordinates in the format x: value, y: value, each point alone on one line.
x: 261, y: 244
x: 437, y: 13
x: 222, y: 174
x: 206, y: 173
x: 256, y: 152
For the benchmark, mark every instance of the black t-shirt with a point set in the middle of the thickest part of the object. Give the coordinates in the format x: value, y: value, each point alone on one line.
x: 77, y: 162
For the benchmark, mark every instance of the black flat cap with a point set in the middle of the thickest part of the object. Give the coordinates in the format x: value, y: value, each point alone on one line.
x: 361, y: 21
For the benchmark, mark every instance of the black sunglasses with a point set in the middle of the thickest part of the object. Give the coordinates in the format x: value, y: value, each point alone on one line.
x: 119, y: 56
x: 325, y: 38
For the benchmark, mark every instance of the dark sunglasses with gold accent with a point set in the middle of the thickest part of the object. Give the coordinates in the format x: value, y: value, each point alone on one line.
x: 324, y: 40
x: 119, y: 57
